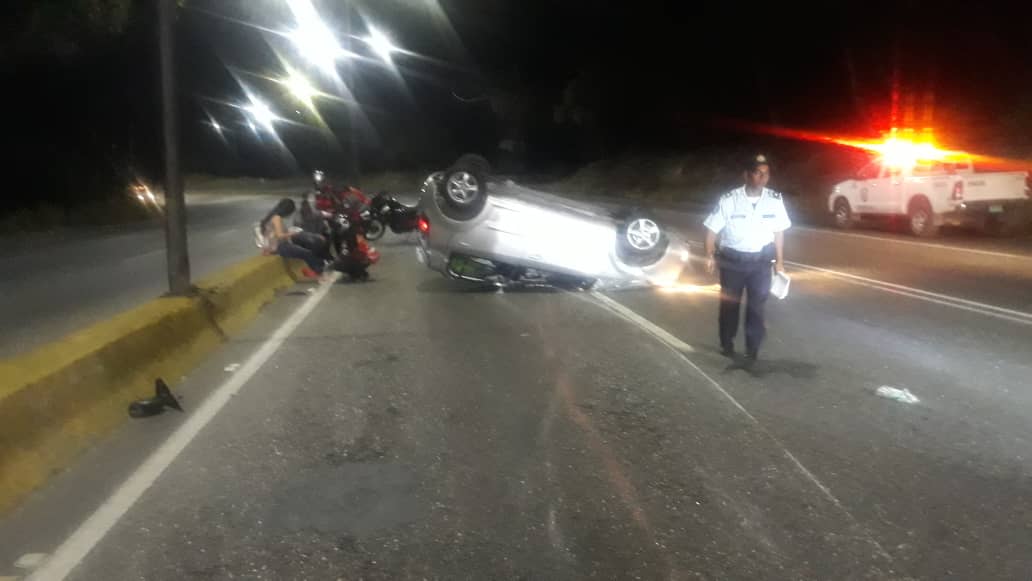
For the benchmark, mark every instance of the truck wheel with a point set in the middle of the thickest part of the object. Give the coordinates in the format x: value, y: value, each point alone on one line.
x: 843, y: 214
x: 921, y: 219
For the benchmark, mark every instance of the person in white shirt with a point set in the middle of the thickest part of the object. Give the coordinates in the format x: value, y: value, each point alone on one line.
x: 750, y: 221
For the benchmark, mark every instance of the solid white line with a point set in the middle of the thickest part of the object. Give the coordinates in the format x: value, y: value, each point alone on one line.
x: 915, y: 243
x: 647, y: 325
x: 608, y: 303
x: 143, y: 255
x: 988, y: 310
x: 92, y: 531
x: 894, y: 240
x: 947, y: 300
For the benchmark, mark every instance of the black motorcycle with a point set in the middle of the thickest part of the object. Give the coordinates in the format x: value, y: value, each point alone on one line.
x: 385, y: 211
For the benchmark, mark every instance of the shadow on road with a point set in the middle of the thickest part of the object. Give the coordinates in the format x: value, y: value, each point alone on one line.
x: 764, y: 367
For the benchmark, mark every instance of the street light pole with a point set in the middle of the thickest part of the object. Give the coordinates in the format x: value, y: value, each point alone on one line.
x: 351, y: 158
x: 175, y: 206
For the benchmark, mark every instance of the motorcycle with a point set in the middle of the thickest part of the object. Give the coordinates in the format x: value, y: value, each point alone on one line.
x: 354, y: 255
x: 385, y: 211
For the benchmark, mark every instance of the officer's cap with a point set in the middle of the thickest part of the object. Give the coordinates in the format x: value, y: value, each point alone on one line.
x: 756, y: 161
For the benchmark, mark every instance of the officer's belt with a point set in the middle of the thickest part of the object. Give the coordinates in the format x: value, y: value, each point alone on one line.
x: 732, y: 255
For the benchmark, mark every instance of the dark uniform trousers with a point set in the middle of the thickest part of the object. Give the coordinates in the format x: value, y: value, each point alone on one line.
x: 749, y: 272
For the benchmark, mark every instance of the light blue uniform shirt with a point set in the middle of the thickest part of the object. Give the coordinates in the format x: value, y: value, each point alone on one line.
x: 746, y: 227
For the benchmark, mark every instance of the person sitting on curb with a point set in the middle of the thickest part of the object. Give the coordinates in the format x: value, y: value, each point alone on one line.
x: 309, y: 247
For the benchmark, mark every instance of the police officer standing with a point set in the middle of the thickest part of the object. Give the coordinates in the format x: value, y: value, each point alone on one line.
x: 751, y: 222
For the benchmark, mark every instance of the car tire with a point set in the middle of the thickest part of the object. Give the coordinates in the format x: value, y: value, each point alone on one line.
x: 641, y: 240
x: 921, y: 219
x: 374, y: 230
x: 842, y: 214
x: 463, y: 190
x: 475, y: 162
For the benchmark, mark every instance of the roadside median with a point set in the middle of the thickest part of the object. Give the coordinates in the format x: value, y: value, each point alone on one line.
x: 61, y: 398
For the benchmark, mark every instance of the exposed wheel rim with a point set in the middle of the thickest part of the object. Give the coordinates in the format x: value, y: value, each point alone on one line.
x: 463, y: 188
x: 842, y: 215
x: 919, y: 221
x: 643, y: 234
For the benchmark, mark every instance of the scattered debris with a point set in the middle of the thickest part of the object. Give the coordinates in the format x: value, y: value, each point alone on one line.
x: 311, y: 291
x: 232, y: 367
x: 30, y: 560
x: 163, y: 398
x: 900, y: 395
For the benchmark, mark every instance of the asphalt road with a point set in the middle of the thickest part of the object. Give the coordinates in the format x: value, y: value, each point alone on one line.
x: 57, y: 283
x: 413, y: 428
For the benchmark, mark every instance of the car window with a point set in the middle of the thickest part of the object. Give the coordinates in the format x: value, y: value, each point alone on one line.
x: 926, y: 167
x: 869, y: 171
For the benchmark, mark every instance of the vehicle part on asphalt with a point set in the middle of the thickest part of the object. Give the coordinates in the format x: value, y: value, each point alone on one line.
x: 163, y: 398
x: 900, y: 395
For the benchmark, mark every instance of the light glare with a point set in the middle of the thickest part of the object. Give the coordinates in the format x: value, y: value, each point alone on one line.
x: 262, y: 114
x: 313, y: 38
x: 380, y: 44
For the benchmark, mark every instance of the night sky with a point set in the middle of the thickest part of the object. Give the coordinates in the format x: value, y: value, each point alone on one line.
x: 635, y: 75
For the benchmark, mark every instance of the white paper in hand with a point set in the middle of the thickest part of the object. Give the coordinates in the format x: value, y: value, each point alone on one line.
x: 779, y: 285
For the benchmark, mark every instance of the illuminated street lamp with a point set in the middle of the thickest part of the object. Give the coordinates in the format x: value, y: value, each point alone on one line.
x: 262, y: 114
x: 300, y: 88
x: 380, y: 44
x: 313, y: 38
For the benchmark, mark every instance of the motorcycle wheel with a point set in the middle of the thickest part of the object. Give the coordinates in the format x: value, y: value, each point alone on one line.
x: 374, y: 229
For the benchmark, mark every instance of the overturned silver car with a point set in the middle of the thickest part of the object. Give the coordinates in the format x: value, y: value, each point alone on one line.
x: 480, y: 229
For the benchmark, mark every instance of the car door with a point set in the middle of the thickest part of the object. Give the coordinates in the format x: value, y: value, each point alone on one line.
x: 885, y: 198
x: 865, y: 188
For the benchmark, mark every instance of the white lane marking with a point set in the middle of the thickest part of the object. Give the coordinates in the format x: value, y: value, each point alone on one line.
x: 986, y: 309
x: 915, y: 243
x: 30, y: 560
x: 941, y: 299
x: 894, y: 240
x: 607, y: 302
x: 647, y: 325
x: 142, y: 255
x: 95, y: 528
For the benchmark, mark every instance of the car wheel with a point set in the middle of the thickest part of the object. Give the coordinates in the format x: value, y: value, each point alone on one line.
x: 921, y: 219
x: 475, y: 163
x: 464, y: 188
x: 374, y: 230
x: 641, y: 241
x: 843, y: 214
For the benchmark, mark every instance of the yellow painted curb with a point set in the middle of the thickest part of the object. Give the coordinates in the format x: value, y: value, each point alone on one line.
x: 59, y: 399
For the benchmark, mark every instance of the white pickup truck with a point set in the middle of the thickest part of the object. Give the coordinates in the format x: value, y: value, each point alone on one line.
x: 932, y: 194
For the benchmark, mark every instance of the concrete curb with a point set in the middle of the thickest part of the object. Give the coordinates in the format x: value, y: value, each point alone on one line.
x: 63, y: 397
